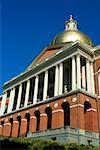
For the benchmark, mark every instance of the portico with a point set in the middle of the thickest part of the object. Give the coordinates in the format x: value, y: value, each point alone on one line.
x: 73, y: 73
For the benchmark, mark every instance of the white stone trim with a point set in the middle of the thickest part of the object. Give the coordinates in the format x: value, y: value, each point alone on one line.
x: 7, y: 124
x: 23, y: 120
x: 91, y: 109
x: 32, y: 117
x: 58, y: 110
x: 43, y: 114
x: 15, y: 122
x: 77, y: 105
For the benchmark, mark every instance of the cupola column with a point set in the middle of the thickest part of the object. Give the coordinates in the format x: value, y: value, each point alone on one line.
x: 3, y: 103
x: 36, y: 90
x: 11, y: 100
x: 73, y: 73
x: 19, y: 97
x: 88, y: 75
x: 92, y: 78
x: 56, y: 81
x: 45, y: 85
x: 78, y: 71
x: 27, y: 93
x: 83, y: 78
x: 60, y: 78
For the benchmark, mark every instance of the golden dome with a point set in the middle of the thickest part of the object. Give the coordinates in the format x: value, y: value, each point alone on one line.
x: 71, y: 34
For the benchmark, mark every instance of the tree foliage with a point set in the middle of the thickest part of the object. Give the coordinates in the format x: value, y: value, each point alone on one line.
x: 37, y: 144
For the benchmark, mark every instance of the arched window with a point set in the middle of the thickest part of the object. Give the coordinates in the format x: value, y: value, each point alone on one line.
x: 87, y: 116
x: 11, y: 121
x: 66, y: 108
x: 48, y: 111
x: 19, y: 120
x: 87, y: 105
x: 37, y: 114
x: 27, y: 116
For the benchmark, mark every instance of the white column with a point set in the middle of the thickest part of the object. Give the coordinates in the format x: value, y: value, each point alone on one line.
x: 78, y: 71
x: 99, y: 83
x: 11, y: 100
x: 83, y: 78
x: 88, y: 76
x: 19, y: 97
x: 35, y: 90
x: 56, y: 86
x: 45, y: 89
x: 27, y: 93
x: 60, y: 78
x: 3, y: 103
x: 73, y: 73
x: 92, y: 78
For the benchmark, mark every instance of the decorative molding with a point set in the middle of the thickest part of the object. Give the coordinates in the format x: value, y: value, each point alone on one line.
x: 87, y: 100
x: 19, y: 114
x: 59, y: 110
x: 48, y: 105
x: 77, y: 105
x: 43, y: 114
x: 7, y: 124
x: 64, y: 100
x: 32, y: 117
x: 74, y: 99
x: 23, y: 119
x: 37, y: 108
x: 56, y: 105
x: 15, y: 121
x: 91, y: 109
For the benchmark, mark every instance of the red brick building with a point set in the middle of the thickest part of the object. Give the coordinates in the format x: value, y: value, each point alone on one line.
x: 58, y: 95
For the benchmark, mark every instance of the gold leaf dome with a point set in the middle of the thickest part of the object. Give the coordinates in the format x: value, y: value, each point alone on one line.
x: 71, y: 34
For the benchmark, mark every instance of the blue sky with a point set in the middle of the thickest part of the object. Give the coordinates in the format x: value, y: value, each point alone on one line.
x: 27, y: 26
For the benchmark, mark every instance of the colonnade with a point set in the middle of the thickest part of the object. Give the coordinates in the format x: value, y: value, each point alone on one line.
x: 82, y: 78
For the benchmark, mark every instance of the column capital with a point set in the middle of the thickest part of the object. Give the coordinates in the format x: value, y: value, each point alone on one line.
x: 78, y: 55
x: 87, y: 60
x: 73, y: 57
